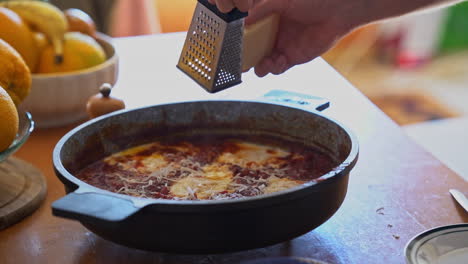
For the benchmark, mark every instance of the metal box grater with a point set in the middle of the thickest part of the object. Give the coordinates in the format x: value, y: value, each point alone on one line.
x: 212, y: 52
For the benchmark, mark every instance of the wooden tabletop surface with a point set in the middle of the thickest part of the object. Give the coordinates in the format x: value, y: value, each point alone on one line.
x: 396, y: 190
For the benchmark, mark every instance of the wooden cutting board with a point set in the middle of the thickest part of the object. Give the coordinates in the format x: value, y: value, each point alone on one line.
x: 22, y: 189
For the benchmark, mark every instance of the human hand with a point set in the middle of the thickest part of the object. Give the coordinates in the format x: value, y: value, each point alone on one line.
x: 307, y: 28
x: 227, y: 5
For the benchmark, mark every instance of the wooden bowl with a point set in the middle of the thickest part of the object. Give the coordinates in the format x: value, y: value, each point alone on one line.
x: 60, y: 99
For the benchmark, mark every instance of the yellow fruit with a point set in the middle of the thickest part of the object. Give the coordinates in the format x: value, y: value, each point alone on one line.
x: 15, y: 76
x: 41, y: 41
x: 9, y: 121
x: 15, y: 31
x: 79, y: 21
x: 45, y: 18
x: 80, y: 51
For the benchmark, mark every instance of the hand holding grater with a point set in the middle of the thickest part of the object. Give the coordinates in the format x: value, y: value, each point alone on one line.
x: 212, y: 52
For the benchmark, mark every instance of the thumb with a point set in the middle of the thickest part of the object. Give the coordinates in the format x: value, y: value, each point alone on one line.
x: 263, y: 8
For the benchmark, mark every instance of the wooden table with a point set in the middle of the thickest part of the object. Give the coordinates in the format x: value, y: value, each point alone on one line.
x: 395, y: 191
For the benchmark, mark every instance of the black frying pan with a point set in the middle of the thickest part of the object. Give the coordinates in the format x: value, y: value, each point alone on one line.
x: 205, y: 226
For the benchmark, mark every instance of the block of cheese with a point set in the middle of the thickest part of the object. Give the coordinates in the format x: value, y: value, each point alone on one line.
x: 258, y: 41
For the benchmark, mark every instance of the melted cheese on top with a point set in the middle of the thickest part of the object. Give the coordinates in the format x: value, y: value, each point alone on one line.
x: 187, y: 179
x: 251, y: 153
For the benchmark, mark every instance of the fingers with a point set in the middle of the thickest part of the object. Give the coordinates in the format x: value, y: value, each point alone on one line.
x: 243, y: 5
x: 275, y: 64
x: 227, y: 5
x: 261, y: 8
x: 263, y: 68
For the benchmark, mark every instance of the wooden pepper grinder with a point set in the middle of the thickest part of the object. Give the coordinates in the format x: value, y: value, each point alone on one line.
x: 103, y: 103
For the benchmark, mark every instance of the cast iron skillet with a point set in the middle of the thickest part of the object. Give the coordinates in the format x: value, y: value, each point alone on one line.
x: 205, y: 226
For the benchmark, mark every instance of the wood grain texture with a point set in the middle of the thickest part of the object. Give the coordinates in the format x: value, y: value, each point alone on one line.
x: 22, y: 189
x: 12, y: 183
x: 396, y: 190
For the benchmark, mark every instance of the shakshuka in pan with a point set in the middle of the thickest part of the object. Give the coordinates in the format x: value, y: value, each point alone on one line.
x: 207, y: 168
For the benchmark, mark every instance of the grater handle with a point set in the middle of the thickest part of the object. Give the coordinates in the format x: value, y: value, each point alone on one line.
x: 233, y: 15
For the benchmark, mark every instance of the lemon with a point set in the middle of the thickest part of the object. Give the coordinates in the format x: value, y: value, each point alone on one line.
x: 9, y: 122
x: 80, y: 51
x: 15, y: 76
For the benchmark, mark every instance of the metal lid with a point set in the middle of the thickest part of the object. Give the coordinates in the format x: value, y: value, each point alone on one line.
x: 440, y: 245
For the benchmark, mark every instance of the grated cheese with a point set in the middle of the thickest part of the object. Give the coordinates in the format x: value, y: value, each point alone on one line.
x: 176, y: 171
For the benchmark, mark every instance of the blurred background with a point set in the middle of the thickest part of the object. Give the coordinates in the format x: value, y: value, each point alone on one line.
x: 414, y: 68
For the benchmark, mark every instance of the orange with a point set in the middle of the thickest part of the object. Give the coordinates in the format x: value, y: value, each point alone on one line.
x: 79, y: 21
x: 9, y: 122
x: 16, y: 32
x: 80, y: 51
x: 15, y: 76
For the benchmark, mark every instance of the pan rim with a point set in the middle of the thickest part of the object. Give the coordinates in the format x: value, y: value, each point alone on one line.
x: 82, y: 187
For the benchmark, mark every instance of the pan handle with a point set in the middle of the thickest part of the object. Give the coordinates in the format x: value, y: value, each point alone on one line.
x: 86, y: 206
x: 298, y: 100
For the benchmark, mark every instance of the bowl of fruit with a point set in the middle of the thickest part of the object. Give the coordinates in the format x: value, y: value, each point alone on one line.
x: 15, y: 125
x: 67, y: 58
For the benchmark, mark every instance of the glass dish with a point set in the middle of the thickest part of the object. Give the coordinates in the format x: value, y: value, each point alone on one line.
x: 440, y: 245
x: 26, y: 126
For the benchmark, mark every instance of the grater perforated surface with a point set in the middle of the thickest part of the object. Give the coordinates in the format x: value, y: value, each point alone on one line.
x: 229, y: 66
x: 212, y: 50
